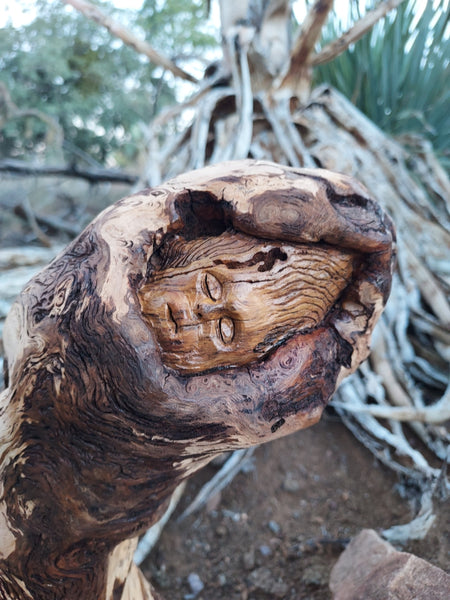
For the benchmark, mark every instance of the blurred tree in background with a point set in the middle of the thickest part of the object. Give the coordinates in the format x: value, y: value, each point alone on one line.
x: 96, y: 88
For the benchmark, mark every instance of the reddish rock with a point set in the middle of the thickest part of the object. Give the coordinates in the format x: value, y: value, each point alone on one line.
x: 372, y: 569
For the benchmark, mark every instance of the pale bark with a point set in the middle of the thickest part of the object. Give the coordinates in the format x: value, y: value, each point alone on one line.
x: 298, y: 77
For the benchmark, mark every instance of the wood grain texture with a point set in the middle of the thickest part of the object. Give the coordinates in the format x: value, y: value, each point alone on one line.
x: 228, y: 300
x: 99, y: 422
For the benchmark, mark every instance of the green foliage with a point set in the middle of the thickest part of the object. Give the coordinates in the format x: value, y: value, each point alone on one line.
x: 177, y: 26
x: 94, y: 86
x: 398, y: 73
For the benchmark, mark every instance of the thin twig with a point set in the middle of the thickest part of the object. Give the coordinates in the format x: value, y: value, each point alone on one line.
x: 147, y: 542
x: 360, y: 28
x: 220, y: 480
x: 370, y: 424
x: 48, y: 221
x: 32, y: 221
x: 173, y: 111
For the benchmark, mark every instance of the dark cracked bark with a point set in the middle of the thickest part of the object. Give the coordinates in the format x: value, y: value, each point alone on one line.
x: 99, y: 421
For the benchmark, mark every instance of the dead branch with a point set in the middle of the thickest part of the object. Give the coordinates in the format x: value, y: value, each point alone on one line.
x: 349, y: 392
x: 173, y: 111
x: 359, y: 29
x: 245, y: 128
x: 151, y: 536
x: 118, y: 30
x: 19, y: 167
x: 238, y: 461
x: 30, y: 217
x: 25, y: 211
x: 200, y: 129
x: 309, y: 33
x: 435, y: 414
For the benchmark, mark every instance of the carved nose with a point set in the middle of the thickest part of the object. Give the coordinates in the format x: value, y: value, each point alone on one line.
x: 184, y: 316
x: 191, y: 316
x: 171, y: 317
x: 206, y: 312
x: 180, y: 316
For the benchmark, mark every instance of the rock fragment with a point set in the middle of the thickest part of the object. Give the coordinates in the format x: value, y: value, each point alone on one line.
x: 372, y: 569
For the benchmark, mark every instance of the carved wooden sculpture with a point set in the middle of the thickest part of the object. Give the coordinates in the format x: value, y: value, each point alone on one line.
x: 217, y: 311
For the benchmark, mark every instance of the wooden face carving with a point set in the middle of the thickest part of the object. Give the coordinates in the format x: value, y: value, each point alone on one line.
x: 226, y: 301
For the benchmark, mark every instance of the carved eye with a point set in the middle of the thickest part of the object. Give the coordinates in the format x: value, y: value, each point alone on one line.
x: 212, y: 286
x: 226, y: 330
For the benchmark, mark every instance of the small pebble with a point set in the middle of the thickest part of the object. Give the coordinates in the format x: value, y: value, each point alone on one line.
x: 274, y: 527
x: 221, y: 530
x: 265, y: 550
x: 195, y: 583
x: 263, y: 579
x: 314, y: 575
x: 290, y: 484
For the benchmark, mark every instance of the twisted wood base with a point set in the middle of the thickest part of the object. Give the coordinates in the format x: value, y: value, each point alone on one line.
x: 217, y: 311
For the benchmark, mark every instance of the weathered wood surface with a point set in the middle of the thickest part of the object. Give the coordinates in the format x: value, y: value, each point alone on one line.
x: 100, y: 421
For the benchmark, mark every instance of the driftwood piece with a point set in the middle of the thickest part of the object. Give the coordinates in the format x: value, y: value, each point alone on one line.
x: 100, y: 421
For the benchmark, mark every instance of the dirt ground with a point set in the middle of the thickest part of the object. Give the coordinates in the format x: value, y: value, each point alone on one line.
x: 276, y: 531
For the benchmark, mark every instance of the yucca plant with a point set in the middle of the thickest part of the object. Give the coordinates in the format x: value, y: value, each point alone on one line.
x: 398, y: 74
